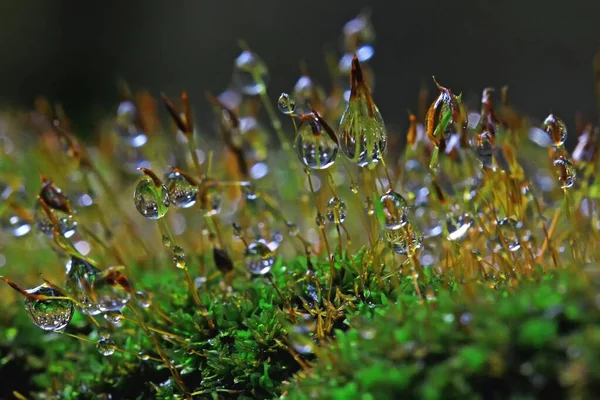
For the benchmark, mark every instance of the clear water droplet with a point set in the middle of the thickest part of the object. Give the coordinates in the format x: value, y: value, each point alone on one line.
x: 143, y: 299
x: 320, y: 220
x: 80, y: 276
x: 404, y: 240
x: 106, y: 292
x: 166, y: 241
x: 178, y: 251
x: 369, y: 206
x: 394, y: 210
x: 66, y: 222
x: 250, y: 74
x: 210, y: 197
x: 182, y: 193
x: 556, y: 130
x: 336, y: 211
x: 49, y: 314
x: 509, y: 229
x: 114, y: 317
x: 143, y: 356
x: 484, y: 149
x: 249, y: 192
x: 566, y: 172
x: 286, y: 104
x: 316, y: 151
x: 354, y: 188
x: 292, y: 228
x: 259, y: 258
x: 105, y: 346
x: 151, y: 201
x: 458, y: 225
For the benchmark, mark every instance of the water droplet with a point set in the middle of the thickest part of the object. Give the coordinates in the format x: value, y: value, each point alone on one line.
x: 354, y: 188
x: 107, y: 292
x: 286, y: 104
x: 143, y: 356
x: 80, y: 276
x: 315, y: 150
x: 556, y: 130
x: 320, y: 220
x: 566, y: 172
x: 150, y: 200
x: 292, y: 228
x: 394, y: 210
x: 105, y: 346
x: 458, y: 226
x: 259, y: 258
x: 143, y: 299
x: 182, y: 193
x: 404, y: 240
x: 249, y: 192
x: 509, y: 229
x: 484, y: 148
x: 49, y: 314
x: 250, y: 74
x: 210, y: 197
x: 369, y: 206
x: 66, y: 222
x: 114, y: 317
x: 336, y: 211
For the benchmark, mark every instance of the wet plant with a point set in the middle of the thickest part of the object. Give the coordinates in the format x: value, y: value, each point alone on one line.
x: 169, y: 261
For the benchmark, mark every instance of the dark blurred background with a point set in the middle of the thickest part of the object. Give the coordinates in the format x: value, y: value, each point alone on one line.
x: 74, y: 51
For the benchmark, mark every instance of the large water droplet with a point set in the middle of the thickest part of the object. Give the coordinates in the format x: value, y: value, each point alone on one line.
x: 80, y: 277
x: 556, y: 130
x: 182, y: 193
x: 286, y: 104
x: 150, y: 200
x: 250, y: 74
x: 336, y: 211
x: 363, y: 138
x: 107, y: 292
x: 259, y: 258
x: 394, y: 210
x: 404, y: 240
x: 49, y: 314
x: 566, y: 172
x: 66, y: 222
x: 316, y: 151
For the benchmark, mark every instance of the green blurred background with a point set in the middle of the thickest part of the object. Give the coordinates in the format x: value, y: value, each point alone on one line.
x: 74, y: 51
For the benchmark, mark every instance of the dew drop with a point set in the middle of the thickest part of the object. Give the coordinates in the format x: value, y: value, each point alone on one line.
x: 286, y: 104
x: 66, y: 222
x: 336, y: 211
x: 250, y: 74
x: 354, y: 188
x: 210, y: 197
x: 166, y: 241
x: 484, y: 148
x: 49, y: 314
x: 566, y: 172
x: 458, y: 226
x: 508, y: 228
x: 320, y: 220
x: 405, y: 240
x: 556, y: 130
x: 150, y: 200
x: 114, y: 317
x: 80, y: 277
x: 249, y: 192
x: 259, y: 258
x: 316, y: 151
x: 292, y: 228
x: 363, y: 138
x: 369, y: 206
x: 394, y: 210
x: 143, y: 299
x: 107, y: 293
x: 105, y: 346
x: 182, y: 193
x: 143, y: 356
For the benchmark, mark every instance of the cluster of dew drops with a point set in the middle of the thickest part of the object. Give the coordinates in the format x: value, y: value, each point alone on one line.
x: 362, y: 138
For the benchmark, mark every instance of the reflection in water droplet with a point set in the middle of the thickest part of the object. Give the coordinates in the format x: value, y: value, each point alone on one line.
x: 151, y: 201
x: 317, y: 151
x: 508, y: 228
x: 209, y: 197
x: 286, y: 104
x: 458, y: 226
x: 66, y: 222
x: 259, y: 258
x: 394, y: 210
x: 363, y: 138
x: 182, y: 193
x: 404, y: 240
x: 105, y: 346
x: 336, y: 211
x: 566, y: 172
x: 556, y: 130
x: 49, y: 314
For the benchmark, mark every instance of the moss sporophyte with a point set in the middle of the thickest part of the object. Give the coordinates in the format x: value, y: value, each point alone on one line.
x: 296, y: 249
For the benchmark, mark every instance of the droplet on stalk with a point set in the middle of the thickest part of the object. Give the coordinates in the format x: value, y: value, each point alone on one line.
x: 556, y: 130
x: 105, y: 346
x: 259, y: 258
x: 509, y: 229
x: 566, y: 172
x: 458, y: 225
x: 110, y: 290
x: 286, y: 104
x: 336, y: 211
x: 405, y: 240
x: 209, y: 196
x: 394, y: 210
x: 484, y: 149
x: 250, y: 73
x: 48, y: 314
x: 363, y: 136
x: 316, y: 143
x: 182, y: 191
x: 81, y: 274
x: 151, y: 197
x: 59, y: 206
